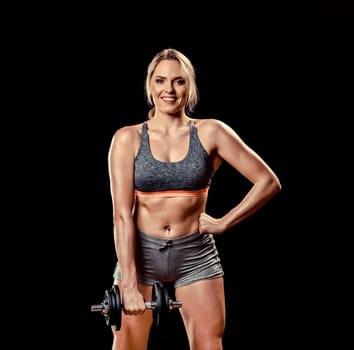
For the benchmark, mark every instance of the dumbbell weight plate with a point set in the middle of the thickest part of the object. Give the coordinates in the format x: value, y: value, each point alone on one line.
x: 166, y: 307
x: 113, y: 317
x: 159, y: 300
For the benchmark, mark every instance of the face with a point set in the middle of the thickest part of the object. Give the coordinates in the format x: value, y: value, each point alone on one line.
x: 168, y: 87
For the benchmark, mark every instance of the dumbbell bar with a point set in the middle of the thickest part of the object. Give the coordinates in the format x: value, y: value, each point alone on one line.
x: 111, y: 307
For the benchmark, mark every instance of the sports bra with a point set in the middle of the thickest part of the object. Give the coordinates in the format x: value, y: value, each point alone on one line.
x: 190, y: 176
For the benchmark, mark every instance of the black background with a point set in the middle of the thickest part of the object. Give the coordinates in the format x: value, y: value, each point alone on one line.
x: 280, y: 75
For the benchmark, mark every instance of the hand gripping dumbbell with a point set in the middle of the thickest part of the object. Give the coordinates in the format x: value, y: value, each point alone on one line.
x: 111, y: 307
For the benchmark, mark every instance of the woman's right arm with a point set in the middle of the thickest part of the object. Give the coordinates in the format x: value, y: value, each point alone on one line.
x: 121, y: 174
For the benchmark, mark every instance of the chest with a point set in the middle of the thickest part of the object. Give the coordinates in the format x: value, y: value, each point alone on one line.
x: 170, y: 148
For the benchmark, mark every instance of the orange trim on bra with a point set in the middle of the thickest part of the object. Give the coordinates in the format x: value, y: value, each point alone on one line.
x: 174, y: 193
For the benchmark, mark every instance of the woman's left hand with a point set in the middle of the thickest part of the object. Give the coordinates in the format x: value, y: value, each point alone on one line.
x: 208, y: 224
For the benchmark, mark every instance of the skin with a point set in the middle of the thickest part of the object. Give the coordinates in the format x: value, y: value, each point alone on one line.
x: 203, y: 310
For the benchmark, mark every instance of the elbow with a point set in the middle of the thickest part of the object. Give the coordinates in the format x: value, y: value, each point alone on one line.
x: 274, y: 185
x: 120, y: 218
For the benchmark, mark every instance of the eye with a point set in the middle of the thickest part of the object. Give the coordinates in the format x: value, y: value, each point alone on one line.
x: 180, y: 82
x: 159, y: 81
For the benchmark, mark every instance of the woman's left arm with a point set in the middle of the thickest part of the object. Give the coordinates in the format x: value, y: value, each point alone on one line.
x: 232, y: 149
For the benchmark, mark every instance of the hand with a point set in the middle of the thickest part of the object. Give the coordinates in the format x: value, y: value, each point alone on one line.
x: 208, y: 224
x: 133, y: 302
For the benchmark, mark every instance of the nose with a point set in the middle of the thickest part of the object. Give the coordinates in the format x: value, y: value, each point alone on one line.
x: 170, y: 87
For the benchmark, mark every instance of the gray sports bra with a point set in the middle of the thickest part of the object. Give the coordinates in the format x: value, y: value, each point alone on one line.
x: 193, y: 173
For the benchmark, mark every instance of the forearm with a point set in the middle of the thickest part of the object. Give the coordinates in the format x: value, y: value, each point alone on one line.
x: 124, y: 239
x: 259, y: 194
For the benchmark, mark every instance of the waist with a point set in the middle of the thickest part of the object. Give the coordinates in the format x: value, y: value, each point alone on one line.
x: 169, y: 216
x: 182, y: 239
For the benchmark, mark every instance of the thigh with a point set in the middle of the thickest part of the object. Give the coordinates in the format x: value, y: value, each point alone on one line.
x: 203, y: 303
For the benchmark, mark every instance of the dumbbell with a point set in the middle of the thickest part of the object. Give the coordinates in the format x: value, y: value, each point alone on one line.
x: 111, y: 307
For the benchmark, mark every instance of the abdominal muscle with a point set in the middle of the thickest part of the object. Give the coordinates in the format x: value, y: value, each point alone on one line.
x: 169, y: 217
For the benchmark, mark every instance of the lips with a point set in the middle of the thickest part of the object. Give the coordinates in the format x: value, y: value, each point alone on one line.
x: 169, y: 99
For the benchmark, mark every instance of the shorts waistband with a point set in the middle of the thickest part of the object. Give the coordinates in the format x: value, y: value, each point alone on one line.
x: 171, y: 241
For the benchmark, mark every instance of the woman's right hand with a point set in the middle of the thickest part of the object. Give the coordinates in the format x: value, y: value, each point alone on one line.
x: 133, y: 302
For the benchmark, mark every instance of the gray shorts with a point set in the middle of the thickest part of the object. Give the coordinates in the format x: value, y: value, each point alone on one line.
x: 182, y: 260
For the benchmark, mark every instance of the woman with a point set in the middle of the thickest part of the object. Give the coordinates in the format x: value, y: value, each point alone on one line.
x: 160, y: 172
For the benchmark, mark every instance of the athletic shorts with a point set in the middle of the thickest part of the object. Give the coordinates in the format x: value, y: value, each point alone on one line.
x: 181, y: 260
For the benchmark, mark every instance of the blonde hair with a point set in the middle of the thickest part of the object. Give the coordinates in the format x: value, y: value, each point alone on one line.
x: 188, y: 69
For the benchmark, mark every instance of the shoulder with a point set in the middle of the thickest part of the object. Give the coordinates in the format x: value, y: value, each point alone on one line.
x: 126, y: 140
x: 210, y: 125
x: 127, y: 133
x: 217, y: 134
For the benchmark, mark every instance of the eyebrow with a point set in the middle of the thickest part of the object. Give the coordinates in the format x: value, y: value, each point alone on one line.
x: 176, y: 78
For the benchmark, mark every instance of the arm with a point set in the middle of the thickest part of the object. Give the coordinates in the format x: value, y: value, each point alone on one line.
x: 232, y: 149
x: 121, y: 174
